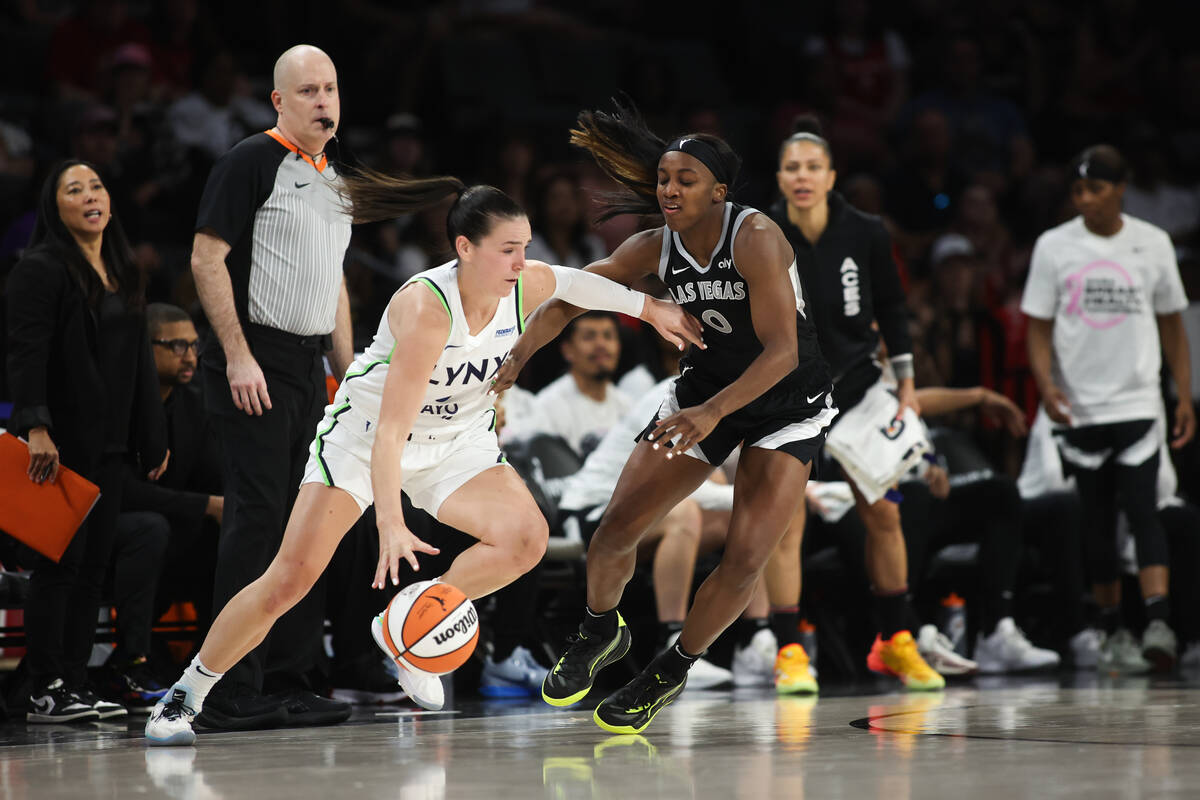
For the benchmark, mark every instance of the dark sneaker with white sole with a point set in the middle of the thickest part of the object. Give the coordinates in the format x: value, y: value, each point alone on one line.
x: 57, y: 703
x: 572, y: 677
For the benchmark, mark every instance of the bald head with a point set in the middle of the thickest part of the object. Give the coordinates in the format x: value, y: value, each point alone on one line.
x: 294, y: 60
x: 306, y: 97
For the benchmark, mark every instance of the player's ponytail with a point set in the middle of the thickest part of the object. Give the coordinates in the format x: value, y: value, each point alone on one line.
x: 628, y: 152
x: 373, y: 196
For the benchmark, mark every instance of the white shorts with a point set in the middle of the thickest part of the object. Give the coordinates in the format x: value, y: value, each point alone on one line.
x: 340, y: 456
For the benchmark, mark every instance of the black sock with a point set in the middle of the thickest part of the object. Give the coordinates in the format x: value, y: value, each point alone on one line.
x: 890, y: 612
x: 674, y: 662
x: 1110, y: 619
x: 785, y: 624
x: 746, y: 627
x: 603, y: 624
x: 666, y: 630
x: 1158, y: 607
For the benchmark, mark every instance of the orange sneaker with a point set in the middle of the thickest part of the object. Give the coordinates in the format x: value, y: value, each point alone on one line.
x: 793, y: 672
x: 900, y: 658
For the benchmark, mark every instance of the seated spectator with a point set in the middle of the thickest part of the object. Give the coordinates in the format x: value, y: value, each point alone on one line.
x: 215, y: 117
x: 584, y: 403
x: 560, y: 229
x: 967, y: 501
x: 168, y: 527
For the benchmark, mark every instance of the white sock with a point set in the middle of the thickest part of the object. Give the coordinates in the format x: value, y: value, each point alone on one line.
x: 197, y: 681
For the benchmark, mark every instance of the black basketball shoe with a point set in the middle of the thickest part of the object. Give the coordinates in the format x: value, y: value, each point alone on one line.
x: 57, y: 703
x: 571, y: 678
x: 632, y: 707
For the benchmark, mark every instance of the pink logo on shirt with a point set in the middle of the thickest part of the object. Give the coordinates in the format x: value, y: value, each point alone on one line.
x: 1102, y: 294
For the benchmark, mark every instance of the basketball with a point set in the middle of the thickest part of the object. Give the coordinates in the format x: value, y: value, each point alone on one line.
x: 431, y: 626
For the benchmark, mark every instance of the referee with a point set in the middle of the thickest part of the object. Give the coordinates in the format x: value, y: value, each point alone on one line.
x: 271, y: 236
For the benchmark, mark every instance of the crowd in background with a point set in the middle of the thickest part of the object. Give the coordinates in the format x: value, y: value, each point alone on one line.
x: 952, y: 120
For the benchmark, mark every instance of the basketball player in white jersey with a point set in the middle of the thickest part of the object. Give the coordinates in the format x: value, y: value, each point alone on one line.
x: 414, y: 414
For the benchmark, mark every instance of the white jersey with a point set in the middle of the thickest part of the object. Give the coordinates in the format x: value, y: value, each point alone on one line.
x: 457, y: 395
x: 1103, y: 293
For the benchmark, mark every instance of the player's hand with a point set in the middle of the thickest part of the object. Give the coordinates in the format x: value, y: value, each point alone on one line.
x: 1056, y: 403
x: 678, y: 432
x: 248, y: 385
x: 1185, y: 423
x: 510, y: 368
x: 939, y: 481
x: 673, y: 323
x: 397, y: 542
x: 998, y: 408
x: 43, y: 456
x: 157, y: 472
x: 906, y: 393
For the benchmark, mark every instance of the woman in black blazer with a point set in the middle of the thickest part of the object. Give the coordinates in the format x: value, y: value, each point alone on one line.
x: 85, y: 394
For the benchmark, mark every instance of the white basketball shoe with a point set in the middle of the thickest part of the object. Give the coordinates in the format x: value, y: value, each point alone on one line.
x: 754, y: 665
x: 423, y: 688
x: 170, y: 722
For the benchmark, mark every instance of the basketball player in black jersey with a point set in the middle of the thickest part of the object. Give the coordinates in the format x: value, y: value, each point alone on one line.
x: 760, y: 381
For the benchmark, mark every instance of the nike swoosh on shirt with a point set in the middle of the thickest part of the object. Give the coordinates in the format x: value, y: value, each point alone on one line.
x: 447, y: 347
x: 677, y: 271
x: 302, y: 185
x: 815, y: 397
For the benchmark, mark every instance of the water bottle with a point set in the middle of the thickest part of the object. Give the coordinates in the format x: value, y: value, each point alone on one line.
x: 808, y: 640
x: 953, y: 622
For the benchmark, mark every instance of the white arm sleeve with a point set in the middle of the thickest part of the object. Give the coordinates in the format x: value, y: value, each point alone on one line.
x: 595, y: 292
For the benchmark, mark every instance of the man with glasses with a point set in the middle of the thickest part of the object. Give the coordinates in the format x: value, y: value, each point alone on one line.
x: 168, y: 527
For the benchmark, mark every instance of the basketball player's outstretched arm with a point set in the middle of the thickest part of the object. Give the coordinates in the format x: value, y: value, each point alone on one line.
x: 420, y: 326
x: 763, y: 256
x: 634, y: 259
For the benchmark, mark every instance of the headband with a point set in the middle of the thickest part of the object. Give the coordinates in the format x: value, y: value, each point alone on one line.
x: 808, y: 136
x: 703, y: 152
x: 1091, y: 168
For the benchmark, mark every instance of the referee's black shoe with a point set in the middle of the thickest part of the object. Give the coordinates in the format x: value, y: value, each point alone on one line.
x: 632, y: 707
x: 571, y: 678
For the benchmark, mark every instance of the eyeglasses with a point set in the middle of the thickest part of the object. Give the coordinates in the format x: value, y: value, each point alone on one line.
x: 179, y: 346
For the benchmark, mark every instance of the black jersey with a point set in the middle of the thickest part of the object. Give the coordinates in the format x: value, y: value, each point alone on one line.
x: 854, y: 282
x: 716, y: 294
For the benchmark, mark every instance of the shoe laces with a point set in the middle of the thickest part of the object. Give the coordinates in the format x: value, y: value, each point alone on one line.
x: 576, y: 660
x: 177, y: 708
x: 644, y: 689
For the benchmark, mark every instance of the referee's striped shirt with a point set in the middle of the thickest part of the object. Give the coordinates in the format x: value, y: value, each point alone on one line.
x: 287, y: 229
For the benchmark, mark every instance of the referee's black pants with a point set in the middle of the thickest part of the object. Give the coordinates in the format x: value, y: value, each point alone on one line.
x: 262, y: 463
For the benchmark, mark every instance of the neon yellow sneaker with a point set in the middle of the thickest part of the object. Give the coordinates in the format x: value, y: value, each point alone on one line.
x: 573, y: 675
x: 899, y: 657
x: 793, y: 672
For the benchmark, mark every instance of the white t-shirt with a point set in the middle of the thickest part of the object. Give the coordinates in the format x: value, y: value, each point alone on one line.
x: 1103, y: 294
x: 594, y: 483
x: 563, y: 410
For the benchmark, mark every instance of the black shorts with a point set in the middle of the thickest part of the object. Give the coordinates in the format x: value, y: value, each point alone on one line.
x: 786, y: 419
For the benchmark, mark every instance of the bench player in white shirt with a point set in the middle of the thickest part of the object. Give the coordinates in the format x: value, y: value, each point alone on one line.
x: 1103, y: 297
x: 413, y: 413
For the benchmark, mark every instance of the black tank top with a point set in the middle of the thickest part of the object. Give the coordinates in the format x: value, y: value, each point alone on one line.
x: 716, y: 294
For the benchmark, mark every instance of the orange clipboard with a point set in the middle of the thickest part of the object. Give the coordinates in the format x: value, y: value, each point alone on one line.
x: 44, y: 516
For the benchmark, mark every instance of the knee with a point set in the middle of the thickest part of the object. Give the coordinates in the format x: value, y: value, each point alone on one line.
x: 522, y: 539
x: 284, y: 585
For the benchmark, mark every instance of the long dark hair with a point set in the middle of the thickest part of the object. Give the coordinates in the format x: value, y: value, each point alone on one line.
x: 628, y: 151
x: 50, y: 236
x: 373, y: 196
